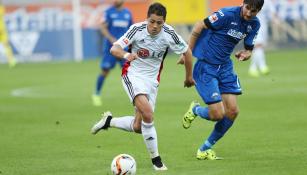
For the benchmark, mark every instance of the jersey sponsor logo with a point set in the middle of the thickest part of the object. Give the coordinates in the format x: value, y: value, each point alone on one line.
x: 213, y: 18
x: 114, y: 15
x: 120, y: 23
x: 126, y: 40
x: 143, y: 53
x: 236, y: 34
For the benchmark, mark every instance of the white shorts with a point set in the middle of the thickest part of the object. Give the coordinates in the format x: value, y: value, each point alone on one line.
x: 134, y: 86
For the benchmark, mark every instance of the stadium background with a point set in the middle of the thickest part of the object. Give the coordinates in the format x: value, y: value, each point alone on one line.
x: 69, y: 29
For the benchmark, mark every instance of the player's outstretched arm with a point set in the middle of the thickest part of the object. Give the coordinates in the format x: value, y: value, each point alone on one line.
x: 118, y: 52
x: 187, y: 56
x: 197, y: 29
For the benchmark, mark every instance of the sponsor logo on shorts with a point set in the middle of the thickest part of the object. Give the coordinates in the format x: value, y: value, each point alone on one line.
x: 215, y: 95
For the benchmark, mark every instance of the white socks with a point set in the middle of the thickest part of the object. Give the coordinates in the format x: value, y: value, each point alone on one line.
x: 150, y: 138
x: 124, y: 123
x: 258, y: 59
x: 148, y: 131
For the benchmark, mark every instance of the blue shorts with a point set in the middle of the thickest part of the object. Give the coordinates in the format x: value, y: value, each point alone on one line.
x: 109, y: 61
x: 214, y: 80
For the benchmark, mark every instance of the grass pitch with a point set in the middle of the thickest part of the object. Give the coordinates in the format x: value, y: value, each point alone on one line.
x: 46, y: 115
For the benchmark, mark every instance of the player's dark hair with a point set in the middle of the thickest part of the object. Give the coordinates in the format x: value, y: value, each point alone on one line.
x: 256, y: 4
x: 158, y: 9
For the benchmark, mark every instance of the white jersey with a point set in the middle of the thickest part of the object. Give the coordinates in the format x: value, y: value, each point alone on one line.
x: 151, y: 50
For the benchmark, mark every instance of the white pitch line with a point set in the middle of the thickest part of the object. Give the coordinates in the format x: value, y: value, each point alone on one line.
x: 29, y: 92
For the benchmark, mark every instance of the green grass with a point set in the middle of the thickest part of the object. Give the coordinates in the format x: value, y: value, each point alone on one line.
x: 44, y: 128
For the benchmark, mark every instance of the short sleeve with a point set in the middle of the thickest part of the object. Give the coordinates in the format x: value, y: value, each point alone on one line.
x: 176, y: 43
x: 128, y: 37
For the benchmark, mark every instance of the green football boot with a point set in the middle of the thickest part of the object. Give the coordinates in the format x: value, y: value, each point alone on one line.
x: 254, y: 73
x: 96, y: 100
x: 189, y: 116
x: 206, y: 155
x: 265, y: 70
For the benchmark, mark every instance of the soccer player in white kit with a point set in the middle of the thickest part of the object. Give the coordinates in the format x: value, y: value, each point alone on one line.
x: 149, y: 42
x: 258, y: 63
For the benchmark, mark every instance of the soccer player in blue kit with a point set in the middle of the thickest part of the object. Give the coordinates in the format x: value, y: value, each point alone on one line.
x: 212, y: 41
x: 116, y: 22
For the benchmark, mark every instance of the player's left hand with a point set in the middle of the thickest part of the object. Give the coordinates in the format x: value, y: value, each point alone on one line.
x: 189, y: 82
x: 243, y: 55
x: 180, y: 60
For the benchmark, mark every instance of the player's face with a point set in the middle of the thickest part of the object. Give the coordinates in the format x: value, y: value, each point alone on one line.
x: 155, y: 24
x: 248, y: 12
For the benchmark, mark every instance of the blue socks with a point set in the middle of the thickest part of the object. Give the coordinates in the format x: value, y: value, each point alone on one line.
x: 220, y: 128
x: 99, y: 83
x: 202, y: 112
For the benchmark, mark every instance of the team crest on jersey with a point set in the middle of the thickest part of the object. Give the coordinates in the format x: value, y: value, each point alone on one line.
x: 249, y: 28
x: 126, y: 40
x: 213, y: 18
x: 143, y: 53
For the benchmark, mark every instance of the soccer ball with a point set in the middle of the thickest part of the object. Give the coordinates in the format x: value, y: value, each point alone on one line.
x: 123, y: 164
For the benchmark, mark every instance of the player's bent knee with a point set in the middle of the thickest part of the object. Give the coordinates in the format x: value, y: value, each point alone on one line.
x: 216, y: 115
x: 232, y: 113
x: 147, y: 117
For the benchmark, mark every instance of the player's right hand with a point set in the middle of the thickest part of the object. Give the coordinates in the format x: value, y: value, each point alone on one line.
x: 189, y: 82
x: 243, y: 55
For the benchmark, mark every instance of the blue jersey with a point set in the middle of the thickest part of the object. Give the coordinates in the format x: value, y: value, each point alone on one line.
x: 118, y: 22
x: 225, y: 29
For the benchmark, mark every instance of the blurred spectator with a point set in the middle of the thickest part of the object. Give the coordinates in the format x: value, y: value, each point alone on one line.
x: 258, y: 63
x: 115, y: 23
x: 5, y: 47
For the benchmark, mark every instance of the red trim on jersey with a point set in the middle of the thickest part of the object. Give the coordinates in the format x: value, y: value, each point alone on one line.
x: 125, y: 68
